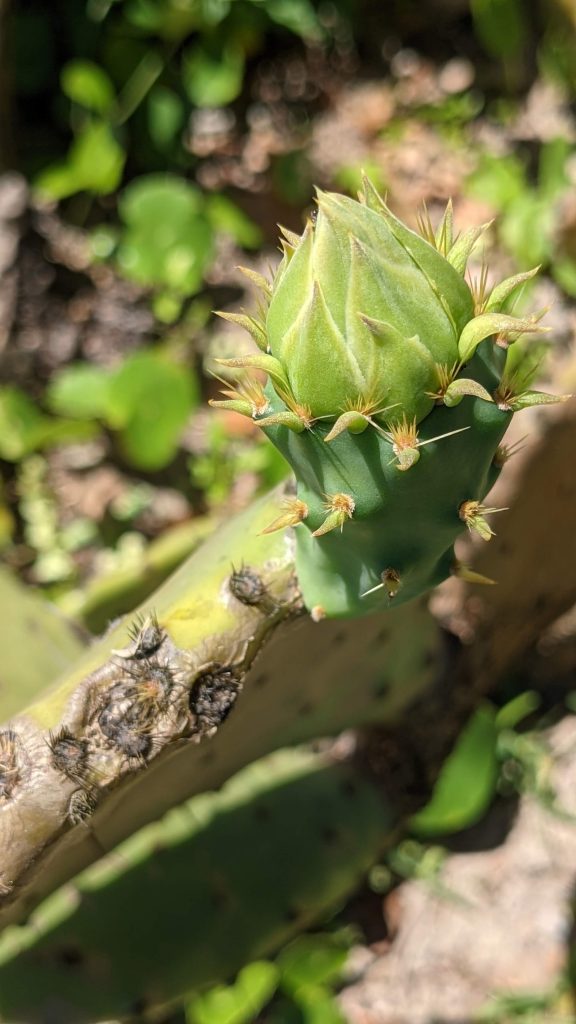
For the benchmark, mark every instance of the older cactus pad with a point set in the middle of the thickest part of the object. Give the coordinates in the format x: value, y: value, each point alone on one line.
x: 389, y: 390
x: 186, y: 902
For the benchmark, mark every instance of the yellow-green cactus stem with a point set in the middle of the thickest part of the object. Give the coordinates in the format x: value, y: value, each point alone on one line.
x: 390, y: 387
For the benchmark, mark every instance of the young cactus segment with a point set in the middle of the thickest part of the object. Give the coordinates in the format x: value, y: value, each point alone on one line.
x: 366, y: 316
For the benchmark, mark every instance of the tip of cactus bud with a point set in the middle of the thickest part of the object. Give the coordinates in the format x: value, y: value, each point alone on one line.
x: 293, y: 420
x: 473, y: 514
x: 290, y: 237
x: 339, y: 507
x: 317, y: 613
x: 389, y: 581
x: 254, y: 325
x: 293, y: 512
x: 442, y: 239
x: 463, y: 572
x: 247, y: 397
x: 258, y: 280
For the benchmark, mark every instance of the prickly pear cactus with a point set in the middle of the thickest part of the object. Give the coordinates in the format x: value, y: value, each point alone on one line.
x: 389, y: 391
x: 185, y: 903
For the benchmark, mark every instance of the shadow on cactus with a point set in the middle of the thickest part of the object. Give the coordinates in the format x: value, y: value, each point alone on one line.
x: 389, y: 391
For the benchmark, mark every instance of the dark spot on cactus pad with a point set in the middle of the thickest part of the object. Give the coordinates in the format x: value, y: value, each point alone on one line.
x: 428, y: 659
x: 212, y: 696
x: 262, y: 813
x: 69, y: 956
x: 146, y: 636
x: 10, y: 763
x: 339, y: 638
x: 292, y: 914
x: 247, y: 586
x: 349, y: 789
x: 131, y: 707
x: 220, y: 895
x: 69, y: 755
x: 261, y: 679
x: 330, y: 835
x: 81, y: 806
x: 139, y: 1006
x: 381, y: 689
x: 306, y: 709
x: 133, y: 744
x: 146, y: 692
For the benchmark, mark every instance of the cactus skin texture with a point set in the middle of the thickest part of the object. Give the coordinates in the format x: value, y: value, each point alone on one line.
x: 185, y: 903
x: 389, y: 391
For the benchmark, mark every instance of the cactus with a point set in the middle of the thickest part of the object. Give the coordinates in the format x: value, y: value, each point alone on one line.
x: 36, y: 644
x: 142, y: 721
x: 389, y: 390
x: 186, y: 902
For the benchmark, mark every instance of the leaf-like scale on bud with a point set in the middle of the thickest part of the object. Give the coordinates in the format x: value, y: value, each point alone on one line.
x: 366, y: 316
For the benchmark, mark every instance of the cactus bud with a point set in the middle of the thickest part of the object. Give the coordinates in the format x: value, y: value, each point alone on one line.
x: 374, y: 342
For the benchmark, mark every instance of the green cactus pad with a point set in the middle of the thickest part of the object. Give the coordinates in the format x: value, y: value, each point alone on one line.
x: 185, y: 903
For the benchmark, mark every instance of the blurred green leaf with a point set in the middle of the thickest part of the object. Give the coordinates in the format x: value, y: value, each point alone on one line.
x: 318, y: 1006
x: 168, y: 240
x: 310, y: 960
x: 149, y: 401
x: 80, y: 390
x: 87, y: 84
x: 527, y: 229
x: 175, y: 19
x: 228, y: 218
x: 298, y: 16
x: 564, y: 272
x: 498, y: 180
x: 500, y: 25
x: 25, y: 429
x: 552, y: 175
x: 166, y: 116
x: 212, y: 74
x: 94, y: 164
x: 239, y: 1003
x: 520, y: 707
x: 21, y: 424
x: 167, y: 307
x: 467, y: 781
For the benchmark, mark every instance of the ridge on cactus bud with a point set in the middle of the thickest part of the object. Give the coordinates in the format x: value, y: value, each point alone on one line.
x: 391, y: 382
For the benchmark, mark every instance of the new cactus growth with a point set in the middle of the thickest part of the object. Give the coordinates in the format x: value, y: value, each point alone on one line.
x: 388, y: 392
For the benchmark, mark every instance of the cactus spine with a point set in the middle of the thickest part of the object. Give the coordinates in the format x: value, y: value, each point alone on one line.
x: 389, y: 394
